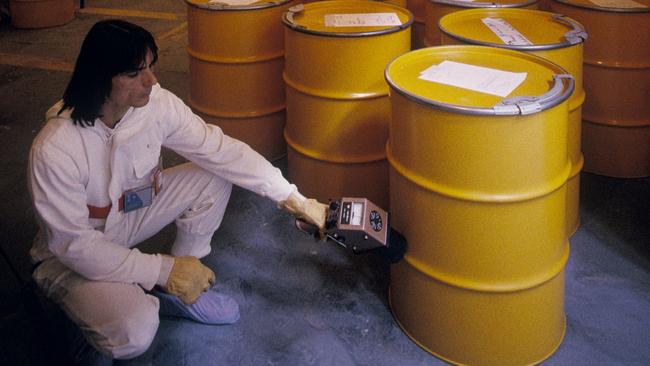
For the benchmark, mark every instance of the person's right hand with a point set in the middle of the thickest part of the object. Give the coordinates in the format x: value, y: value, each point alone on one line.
x: 189, y: 278
x: 307, y: 210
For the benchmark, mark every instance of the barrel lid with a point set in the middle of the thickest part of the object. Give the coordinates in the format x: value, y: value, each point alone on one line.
x: 225, y: 5
x: 518, y: 29
x: 347, y: 18
x: 544, y: 83
x: 621, y: 6
x: 486, y: 4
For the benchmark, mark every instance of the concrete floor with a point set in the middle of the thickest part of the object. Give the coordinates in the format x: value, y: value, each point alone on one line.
x: 302, y: 303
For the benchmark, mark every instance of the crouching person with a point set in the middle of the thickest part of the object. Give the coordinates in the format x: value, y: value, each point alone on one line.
x: 98, y: 189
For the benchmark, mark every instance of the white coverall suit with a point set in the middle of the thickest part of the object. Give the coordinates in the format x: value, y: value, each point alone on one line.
x: 88, y: 265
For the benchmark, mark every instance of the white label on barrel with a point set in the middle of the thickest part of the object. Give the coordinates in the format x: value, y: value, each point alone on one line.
x: 476, y: 78
x: 504, y: 30
x: 362, y: 20
x: 233, y: 2
x: 619, y: 4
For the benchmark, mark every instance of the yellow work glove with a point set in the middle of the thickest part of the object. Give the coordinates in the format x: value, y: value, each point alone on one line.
x: 188, y: 279
x: 307, y: 210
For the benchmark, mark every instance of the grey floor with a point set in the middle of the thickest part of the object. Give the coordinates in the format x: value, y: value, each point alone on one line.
x: 302, y: 302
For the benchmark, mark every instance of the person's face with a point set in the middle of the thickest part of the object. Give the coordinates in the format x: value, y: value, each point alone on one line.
x: 132, y: 89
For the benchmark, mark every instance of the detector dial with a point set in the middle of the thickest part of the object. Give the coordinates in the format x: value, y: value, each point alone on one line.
x: 375, y: 221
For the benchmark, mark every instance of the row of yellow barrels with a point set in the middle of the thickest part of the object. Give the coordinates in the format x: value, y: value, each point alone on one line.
x: 478, y: 190
x: 540, y: 279
x: 598, y: 148
x: 480, y: 195
x: 236, y: 84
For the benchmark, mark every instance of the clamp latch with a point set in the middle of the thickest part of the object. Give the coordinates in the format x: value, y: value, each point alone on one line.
x: 525, y: 105
x: 577, y: 34
x: 518, y: 105
x: 288, y: 16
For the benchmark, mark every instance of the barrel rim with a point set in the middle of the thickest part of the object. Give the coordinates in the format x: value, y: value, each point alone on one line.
x: 482, y: 111
x: 535, y: 47
x: 487, y: 4
x: 604, y: 9
x: 393, y: 29
x: 226, y: 7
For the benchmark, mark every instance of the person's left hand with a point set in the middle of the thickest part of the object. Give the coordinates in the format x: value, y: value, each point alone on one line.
x: 189, y: 279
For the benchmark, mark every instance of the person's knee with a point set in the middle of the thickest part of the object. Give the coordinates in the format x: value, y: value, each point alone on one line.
x: 220, y: 188
x: 196, y: 225
x: 135, y: 335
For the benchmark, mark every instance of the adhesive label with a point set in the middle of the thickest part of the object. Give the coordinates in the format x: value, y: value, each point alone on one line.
x: 476, y: 78
x: 506, y: 32
x: 618, y: 4
x: 362, y: 20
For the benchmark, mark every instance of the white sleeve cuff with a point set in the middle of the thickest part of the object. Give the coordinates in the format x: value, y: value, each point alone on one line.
x: 165, y: 270
x: 299, y: 195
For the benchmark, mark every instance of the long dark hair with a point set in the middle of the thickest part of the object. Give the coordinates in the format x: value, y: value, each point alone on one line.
x: 111, y: 47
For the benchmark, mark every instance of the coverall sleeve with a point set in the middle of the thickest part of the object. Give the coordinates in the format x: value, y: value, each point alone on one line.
x: 60, y: 203
x: 207, y: 146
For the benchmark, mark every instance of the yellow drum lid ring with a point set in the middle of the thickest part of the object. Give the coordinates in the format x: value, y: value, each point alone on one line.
x: 531, y: 96
x: 294, y: 18
x: 591, y: 6
x: 224, y: 6
x: 490, y: 4
x: 538, y: 24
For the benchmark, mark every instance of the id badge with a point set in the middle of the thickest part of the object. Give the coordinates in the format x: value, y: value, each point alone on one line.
x: 138, y: 198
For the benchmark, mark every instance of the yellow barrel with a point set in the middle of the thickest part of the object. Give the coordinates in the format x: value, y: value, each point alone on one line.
x: 236, y: 63
x: 616, y: 113
x: 436, y: 9
x: 41, y: 13
x: 478, y: 188
x: 552, y: 36
x: 337, y: 99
